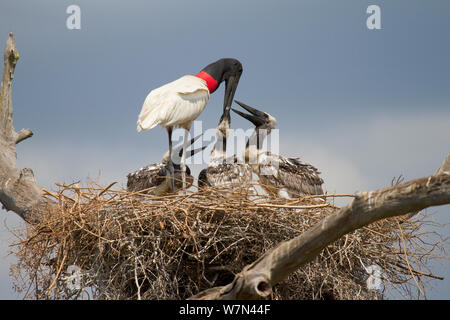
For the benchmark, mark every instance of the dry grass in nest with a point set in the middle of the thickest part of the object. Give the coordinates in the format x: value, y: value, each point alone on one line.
x: 136, y: 246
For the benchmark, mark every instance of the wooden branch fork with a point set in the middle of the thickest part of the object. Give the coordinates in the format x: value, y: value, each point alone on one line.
x: 20, y: 193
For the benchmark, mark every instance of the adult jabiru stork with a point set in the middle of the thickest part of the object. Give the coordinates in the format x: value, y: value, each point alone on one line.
x: 278, y: 175
x: 179, y: 103
x: 156, y: 178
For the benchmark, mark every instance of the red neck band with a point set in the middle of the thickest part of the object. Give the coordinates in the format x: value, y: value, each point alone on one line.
x: 211, y: 83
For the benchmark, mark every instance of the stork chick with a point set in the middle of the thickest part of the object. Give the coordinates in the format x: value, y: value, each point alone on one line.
x: 278, y: 175
x: 157, y: 178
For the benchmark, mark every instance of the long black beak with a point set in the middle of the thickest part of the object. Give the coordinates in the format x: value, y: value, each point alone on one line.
x: 230, y: 89
x: 190, y: 153
x: 258, y: 118
x: 178, y: 150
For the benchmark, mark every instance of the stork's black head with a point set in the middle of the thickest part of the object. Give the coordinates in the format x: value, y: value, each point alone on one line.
x: 261, y: 120
x: 224, y: 69
x: 228, y: 70
x: 264, y: 123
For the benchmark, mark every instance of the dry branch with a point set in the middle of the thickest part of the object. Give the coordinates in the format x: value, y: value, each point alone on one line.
x: 19, y: 191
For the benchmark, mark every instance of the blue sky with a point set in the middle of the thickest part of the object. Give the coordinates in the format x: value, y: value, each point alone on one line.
x: 361, y: 105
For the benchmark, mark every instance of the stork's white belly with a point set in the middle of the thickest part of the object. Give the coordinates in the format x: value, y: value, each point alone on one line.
x: 177, y: 103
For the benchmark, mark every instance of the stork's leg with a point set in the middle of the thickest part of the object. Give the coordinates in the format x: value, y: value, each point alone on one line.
x: 170, y: 166
x: 183, y: 158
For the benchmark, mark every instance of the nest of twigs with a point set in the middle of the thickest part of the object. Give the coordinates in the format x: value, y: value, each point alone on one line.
x: 111, y: 244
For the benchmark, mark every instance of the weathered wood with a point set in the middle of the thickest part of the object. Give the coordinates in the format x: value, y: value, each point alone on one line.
x: 19, y: 191
x: 258, y: 278
x: 23, y: 134
x: 10, y: 59
x: 445, y: 167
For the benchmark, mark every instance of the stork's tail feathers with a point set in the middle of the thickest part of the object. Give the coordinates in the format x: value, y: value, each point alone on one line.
x: 146, y: 125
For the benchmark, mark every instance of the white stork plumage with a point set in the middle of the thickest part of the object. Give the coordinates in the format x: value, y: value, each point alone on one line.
x: 179, y: 103
x: 155, y: 179
x: 278, y: 175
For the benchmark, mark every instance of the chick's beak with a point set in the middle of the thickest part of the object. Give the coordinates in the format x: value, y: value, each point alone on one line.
x: 256, y: 117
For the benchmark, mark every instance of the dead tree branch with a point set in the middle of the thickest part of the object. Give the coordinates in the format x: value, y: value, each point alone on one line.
x: 19, y: 191
x: 445, y: 167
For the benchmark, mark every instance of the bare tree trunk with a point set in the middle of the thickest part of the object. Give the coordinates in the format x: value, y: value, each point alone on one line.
x: 19, y: 191
x: 257, y: 279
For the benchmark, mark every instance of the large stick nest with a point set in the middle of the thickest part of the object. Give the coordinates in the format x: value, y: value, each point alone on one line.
x: 112, y: 244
